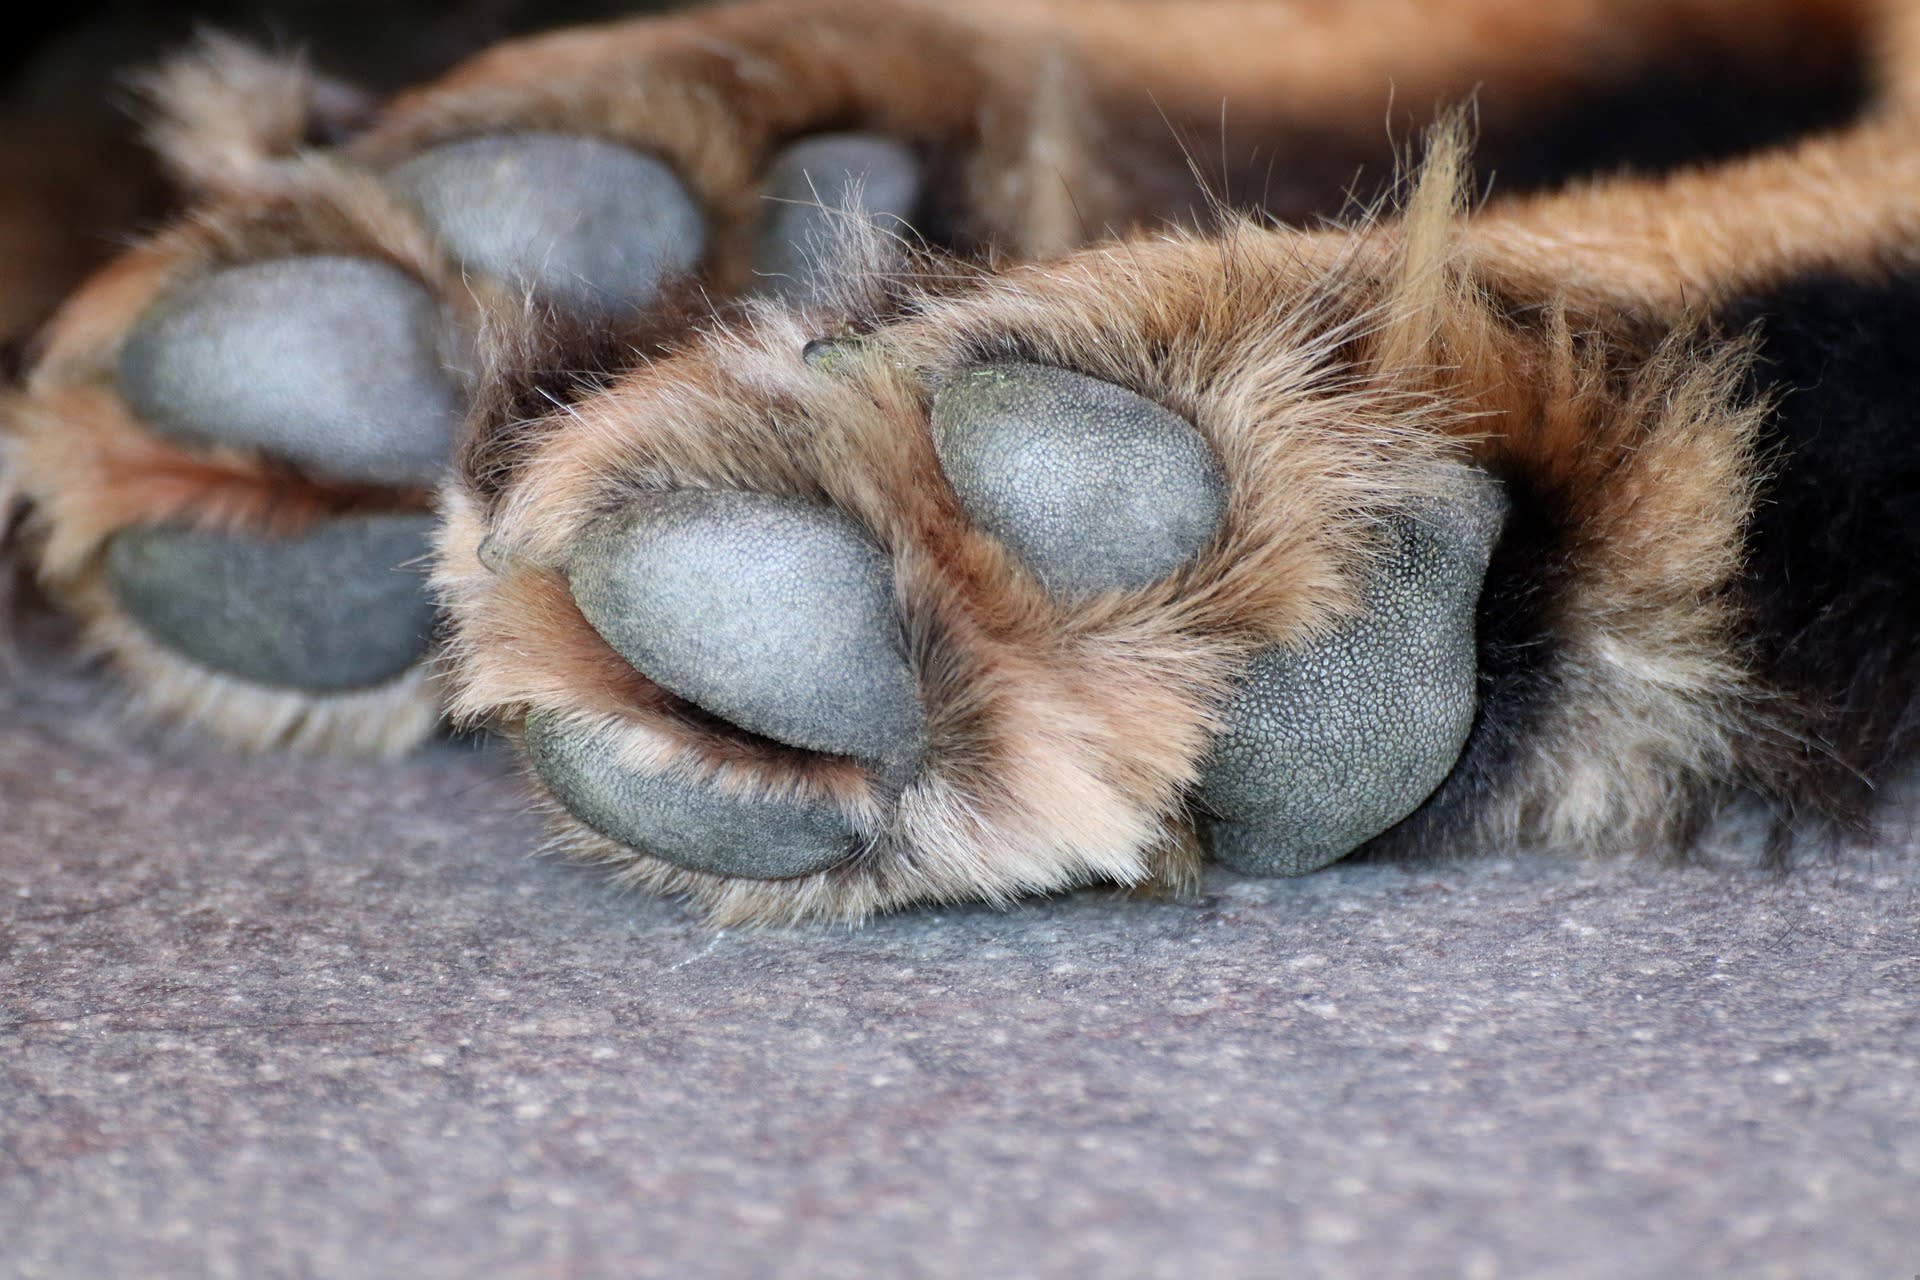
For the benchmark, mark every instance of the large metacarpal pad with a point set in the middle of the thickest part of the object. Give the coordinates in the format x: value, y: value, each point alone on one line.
x: 1330, y: 744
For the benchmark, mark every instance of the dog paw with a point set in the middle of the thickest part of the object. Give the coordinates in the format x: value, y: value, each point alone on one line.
x: 985, y: 601
x: 232, y: 440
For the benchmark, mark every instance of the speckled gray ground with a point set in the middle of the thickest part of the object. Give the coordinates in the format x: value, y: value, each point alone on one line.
x: 280, y: 1018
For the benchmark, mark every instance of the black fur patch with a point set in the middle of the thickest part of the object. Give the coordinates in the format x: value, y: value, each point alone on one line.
x: 538, y: 363
x: 1832, y: 581
x: 1834, y: 569
x: 1697, y: 103
x: 1668, y: 117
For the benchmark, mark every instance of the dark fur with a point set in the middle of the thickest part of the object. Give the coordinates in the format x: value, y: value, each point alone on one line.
x: 1834, y: 574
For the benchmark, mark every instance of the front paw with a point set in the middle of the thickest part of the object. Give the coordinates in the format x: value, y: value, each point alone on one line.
x: 818, y: 629
x: 233, y: 436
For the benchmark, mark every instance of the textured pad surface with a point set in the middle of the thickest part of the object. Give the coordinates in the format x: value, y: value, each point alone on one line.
x: 812, y: 188
x: 689, y: 822
x: 775, y: 613
x: 1329, y: 745
x: 341, y: 606
x: 590, y: 224
x: 333, y: 364
x: 1093, y: 486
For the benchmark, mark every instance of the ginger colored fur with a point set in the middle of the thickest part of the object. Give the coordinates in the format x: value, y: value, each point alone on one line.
x: 1334, y: 368
x: 1566, y: 342
x: 92, y: 469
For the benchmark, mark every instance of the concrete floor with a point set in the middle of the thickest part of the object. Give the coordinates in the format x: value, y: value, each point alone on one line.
x: 281, y: 1017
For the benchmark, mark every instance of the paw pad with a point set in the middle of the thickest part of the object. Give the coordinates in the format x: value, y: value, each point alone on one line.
x: 689, y: 822
x: 811, y: 188
x: 338, y: 607
x: 1328, y: 745
x: 590, y: 223
x: 1093, y: 486
x: 333, y: 364
x: 773, y: 613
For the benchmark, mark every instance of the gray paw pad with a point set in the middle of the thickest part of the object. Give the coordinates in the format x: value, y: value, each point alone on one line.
x: 334, y: 364
x: 1328, y: 745
x: 811, y: 188
x: 775, y: 613
x: 591, y: 224
x: 691, y: 823
x: 1093, y: 486
x: 341, y: 606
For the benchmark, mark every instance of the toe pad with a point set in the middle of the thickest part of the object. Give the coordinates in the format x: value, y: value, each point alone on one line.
x: 592, y: 224
x: 775, y: 613
x: 333, y: 364
x: 339, y: 607
x: 688, y: 822
x: 1093, y: 486
x: 812, y: 187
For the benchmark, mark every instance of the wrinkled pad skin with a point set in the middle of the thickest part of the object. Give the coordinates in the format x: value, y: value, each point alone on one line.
x: 1328, y: 745
x: 811, y: 188
x: 341, y: 606
x: 590, y: 224
x: 774, y: 613
x: 333, y: 364
x: 1093, y: 486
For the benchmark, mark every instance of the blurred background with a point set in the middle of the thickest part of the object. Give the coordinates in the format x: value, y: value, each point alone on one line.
x: 74, y: 182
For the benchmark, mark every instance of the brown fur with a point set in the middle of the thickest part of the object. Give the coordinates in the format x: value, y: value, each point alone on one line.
x: 1334, y: 368
x: 1633, y: 432
x: 91, y: 469
x: 1033, y: 110
x: 1559, y: 341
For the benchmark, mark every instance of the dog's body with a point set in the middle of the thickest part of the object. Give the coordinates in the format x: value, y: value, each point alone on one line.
x: 1660, y: 425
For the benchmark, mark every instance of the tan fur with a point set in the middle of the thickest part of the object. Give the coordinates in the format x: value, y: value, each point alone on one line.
x: 1120, y: 692
x: 226, y: 115
x: 91, y: 469
x: 1105, y: 102
x: 1338, y: 374
x: 1640, y: 445
x: 388, y: 720
x: 1036, y: 106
